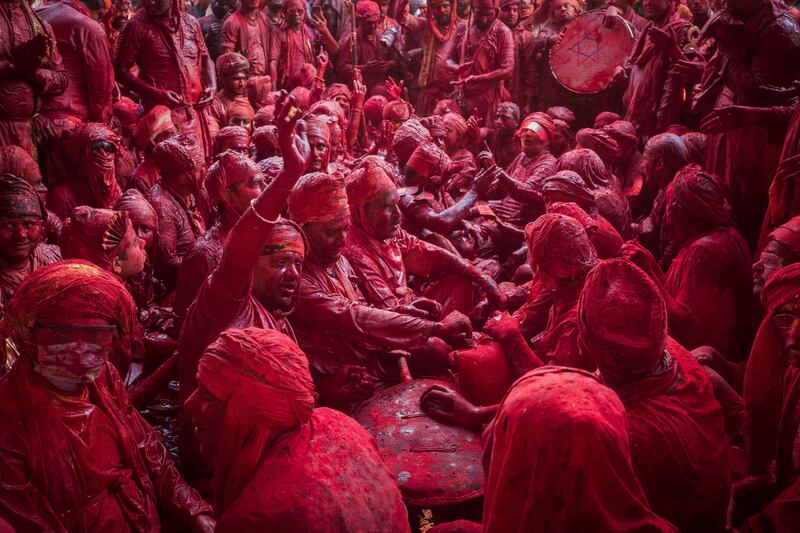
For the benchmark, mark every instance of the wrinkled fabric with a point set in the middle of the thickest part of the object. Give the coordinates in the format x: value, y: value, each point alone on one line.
x: 14, y: 160
x: 531, y: 171
x: 605, y: 239
x: 559, y: 246
x: 229, y: 169
x: 318, y: 197
x: 250, y: 35
x: 601, y: 143
x: 97, y: 235
x: 152, y: 124
x: 228, y: 136
x: 407, y: 138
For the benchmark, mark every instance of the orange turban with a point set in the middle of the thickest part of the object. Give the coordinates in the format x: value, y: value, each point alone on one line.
x: 318, y: 197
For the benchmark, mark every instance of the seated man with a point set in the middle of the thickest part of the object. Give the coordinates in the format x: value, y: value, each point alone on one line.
x: 677, y: 433
x: 782, y: 248
x: 154, y: 126
x: 337, y: 329
x: 381, y: 253
x: 233, y: 138
x: 22, y: 232
x: 283, y: 465
x: 76, y: 455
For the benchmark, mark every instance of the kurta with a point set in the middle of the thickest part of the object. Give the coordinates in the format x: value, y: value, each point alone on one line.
x: 250, y: 36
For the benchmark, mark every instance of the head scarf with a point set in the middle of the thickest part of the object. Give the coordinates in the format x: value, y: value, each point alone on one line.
x: 151, y: 125
x: 285, y: 236
x: 127, y: 112
x: 368, y: 11
x: 96, y: 235
x: 271, y: 167
x: 695, y: 143
x: 622, y: 319
x: 232, y: 63
x: 557, y: 458
x: 601, y: 143
x: 265, y: 139
x: 337, y: 89
x: 624, y: 133
x: 14, y: 160
x: 177, y: 155
x: 605, y: 118
x: 240, y: 108
x: 258, y: 89
x: 697, y: 200
x: 264, y: 116
x: 396, y: 111
x: 539, y: 123
x: 588, y: 165
x: 102, y: 182
x: 75, y: 289
x: 317, y: 127
x: 559, y: 247
x: 19, y: 199
x: 229, y: 169
x: 302, y: 96
x: 227, y: 136
x: 367, y: 184
x: 571, y: 186
x: 456, y: 121
x: 373, y: 108
x: 318, y: 197
x: 429, y: 160
x: 562, y: 113
x: 407, y: 138
x: 263, y: 379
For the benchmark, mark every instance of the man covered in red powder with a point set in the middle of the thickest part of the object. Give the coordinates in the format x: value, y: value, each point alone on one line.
x: 375, y: 62
x: 154, y: 126
x: 482, y: 55
x: 76, y: 454
x: 678, y: 442
x: 248, y: 32
x: 22, y: 234
x: 294, y: 45
x: 521, y: 85
x: 31, y: 69
x: 232, y: 71
x: 175, y: 70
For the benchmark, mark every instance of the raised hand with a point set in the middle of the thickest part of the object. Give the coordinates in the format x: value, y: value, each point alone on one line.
x: 394, y: 90
x: 292, y: 137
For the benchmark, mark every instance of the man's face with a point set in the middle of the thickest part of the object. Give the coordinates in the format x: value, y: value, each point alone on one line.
x: 237, y: 144
x: 509, y: 15
x: 295, y: 16
x: 157, y: 8
x: 563, y: 11
x: 771, y: 259
x: 463, y: 8
x: 656, y: 9
x: 146, y: 233
x: 484, y: 16
x: 452, y: 138
x: 787, y: 321
x: 368, y: 27
x: 243, y: 121
x: 250, y: 5
x: 384, y: 7
x: 505, y: 123
x: 19, y: 237
x: 560, y: 143
x: 327, y: 239
x: 208, y: 414
x: 383, y: 216
x: 131, y: 261
x: 276, y: 283
x: 222, y: 9
x: 532, y: 145
x: 343, y: 102
x: 320, y: 153
x: 234, y: 84
x: 700, y: 10
x: 440, y: 12
x: 239, y: 195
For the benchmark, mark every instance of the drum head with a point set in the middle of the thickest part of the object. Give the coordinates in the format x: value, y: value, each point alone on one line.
x: 434, y: 464
x: 588, y: 53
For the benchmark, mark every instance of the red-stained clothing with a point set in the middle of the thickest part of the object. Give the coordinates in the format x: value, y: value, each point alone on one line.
x: 678, y: 443
x: 249, y: 35
x: 90, y: 464
x: 292, y: 49
x: 327, y: 476
x: 784, y: 196
x: 368, y: 50
x: 504, y: 149
x: 494, y: 50
x: 525, y: 170
x: 18, y: 98
x: 145, y: 177
x: 605, y: 239
x: 44, y: 254
x: 521, y: 84
x: 85, y: 52
x: 179, y: 224
x: 711, y: 279
x: 433, y: 78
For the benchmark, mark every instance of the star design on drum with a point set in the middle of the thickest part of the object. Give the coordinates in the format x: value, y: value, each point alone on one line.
x: 587, y: 49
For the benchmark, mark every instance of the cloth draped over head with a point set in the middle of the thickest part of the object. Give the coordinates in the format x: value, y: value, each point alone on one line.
x: 302, y: 97
x: 258, y: 89
x: 318, y: 197
x: 19, y: 199
x: 695, y: 143
x: 788, y: 235
x: 139, y: 209
x: 697, y: 200
x: 229, y: 169
x: 151, y: 125
x: 368, y: 11
x: 601, y: 143
x: 563, y: 128
x: 14, y: 160
x: 240, y: 108
x: 557, y: 458
x: 96, y: 235
x: 373, y: 108
x: 265, y: 139
x: 264, y: 116
x: 337, y: 89
x: 264, y: 381
x: 407, y: 138
x: 605, y: 118
x: 330, y: 108
x: 588, y: 165
x: 766, y: 368
x: 429, y: 160
x: 570, y: 187
x: 73, y: 289
x: 559, y: 246
x: 271, y: 167
x: 622, y: 319
x: 624, y: 133
x: 562, y: 113
x: 364, y: 186
x: 539, y: 123
x: 127, y: 111
x: 228, y: 136
x: 397, y: 111
x: 178, y: 154
x: 318, y: 127
x: 232, y: 63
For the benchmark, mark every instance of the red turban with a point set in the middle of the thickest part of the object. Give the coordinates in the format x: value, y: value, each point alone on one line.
x: 152, y: 124
x: 331, y: 109
x: 373, y: 109
x: 397, y: 111
x: 229, y: 169
x: 229, y: 135
x: 337, y: 89
x: 570, y: 187
x: 368, y: 11
x: 539, y: 123
x: 305, y: 74
x: 557, y: 458
x: 456, y: 121
x: 302, y: 96
x: 788, y: 235
x: 96, y: 235
x: 504, y: 3
x: 271, y: 167
x: 19, y: 199
x: 317, y: 127
x: 232, y: 63
x: 605, y: 118
x: 622, y: 319
x: 563, y: 128
x: 695, y: 143
x: 588, y: 165
x: 265, y: 139
x: 127, y: 111
x: 295, y: 3
x: 601, y: 143
x: 624, y: 133
x: 263, y: 379
x: 140, y: 211
x: 696, y: 199
x: 73, y: 290
x: 559, y: 247
x: 240, y: 108
x: 318, y: 197
x: 429, y: 160
x: 367, y: 184
x: 561, y: 113
x: 264, y: 116
x: 407, y: 138
x: 178, y: 154
x: 285, y: 236
x: 14, y: 160
x: 258, y: 90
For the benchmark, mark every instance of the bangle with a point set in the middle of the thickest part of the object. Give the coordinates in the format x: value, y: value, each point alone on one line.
x: 260, y: 218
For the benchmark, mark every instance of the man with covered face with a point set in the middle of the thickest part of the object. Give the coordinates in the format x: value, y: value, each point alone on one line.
x: 77, y: 455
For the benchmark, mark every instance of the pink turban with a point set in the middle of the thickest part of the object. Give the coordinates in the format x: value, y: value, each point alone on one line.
x: 407, y: 138
x: 229, y: 135
x: 229, y: 169
x: 559, y: 246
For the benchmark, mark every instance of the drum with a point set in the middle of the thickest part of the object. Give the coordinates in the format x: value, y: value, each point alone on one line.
x: 585, y: 58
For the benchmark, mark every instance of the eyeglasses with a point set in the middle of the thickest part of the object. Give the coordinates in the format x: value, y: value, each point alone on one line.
x: 783, y: 320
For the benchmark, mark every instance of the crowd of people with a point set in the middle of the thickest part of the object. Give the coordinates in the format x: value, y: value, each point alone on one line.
x: 263, y: 219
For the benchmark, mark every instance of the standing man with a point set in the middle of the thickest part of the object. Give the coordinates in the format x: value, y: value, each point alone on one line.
x: 482, y: 55
x: 293, y: 45
x: 248, y: 32
x: 373, y: 58
x: 520, y: 83
x: 211, y: 25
